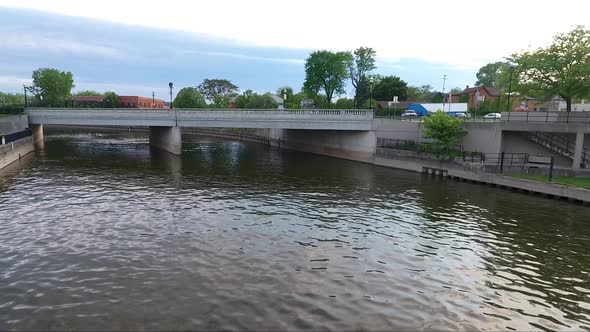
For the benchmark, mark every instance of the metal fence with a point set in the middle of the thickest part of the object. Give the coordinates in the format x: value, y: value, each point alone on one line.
x: 422, y: 147
x: 547, y: 117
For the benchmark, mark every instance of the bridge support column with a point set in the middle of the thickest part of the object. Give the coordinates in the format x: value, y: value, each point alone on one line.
x: 578, y: 150
x: 38, y: 137
x: 166, y: 138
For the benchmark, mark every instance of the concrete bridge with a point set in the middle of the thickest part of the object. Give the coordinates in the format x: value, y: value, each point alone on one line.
x: 165, y: 124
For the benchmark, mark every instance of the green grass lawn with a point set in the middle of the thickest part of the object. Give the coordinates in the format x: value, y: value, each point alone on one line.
x: 563, y: 180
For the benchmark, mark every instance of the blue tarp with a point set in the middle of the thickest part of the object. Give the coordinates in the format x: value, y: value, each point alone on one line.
x: 418, y: 108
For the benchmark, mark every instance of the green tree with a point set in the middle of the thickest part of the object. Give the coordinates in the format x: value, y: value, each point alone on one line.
x: 419, y: 94
x: 51, y: 87
x: 87, y: 93
x: 295, y: 101
x: 563, y: 68
x: 443, y: 128
x: 455, y: 91
x: 344, y: 103
x: 11, y: 99
x: 265, y: 101
x: 220, y: 101
x: 189, y: 98
x: 390, y: 86
x: 110, y: 100
x: 326, y: 71
x: 363, y: 62
x: 489, y: 75
x: 217, y: 88
x: 243, y: 100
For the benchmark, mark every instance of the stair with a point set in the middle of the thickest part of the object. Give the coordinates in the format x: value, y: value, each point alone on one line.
x: 560, y: 144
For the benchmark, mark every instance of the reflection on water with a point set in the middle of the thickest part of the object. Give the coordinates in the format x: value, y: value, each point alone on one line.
x: 101, y: 232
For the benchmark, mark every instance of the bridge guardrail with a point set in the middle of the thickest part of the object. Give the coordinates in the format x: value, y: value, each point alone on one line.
x: 547, y: 117
x: 354, y: 112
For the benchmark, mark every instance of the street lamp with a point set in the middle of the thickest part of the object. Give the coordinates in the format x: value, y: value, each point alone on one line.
x: 171, y: 85
x: 511, y: 68
x: 25, y: 89
x: 285, y: 99
x: 371, y: 93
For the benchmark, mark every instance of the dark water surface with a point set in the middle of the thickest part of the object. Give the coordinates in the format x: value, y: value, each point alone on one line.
x: 98, y: 232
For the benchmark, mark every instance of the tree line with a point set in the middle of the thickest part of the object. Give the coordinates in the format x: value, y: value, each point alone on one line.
x: 561, y: 69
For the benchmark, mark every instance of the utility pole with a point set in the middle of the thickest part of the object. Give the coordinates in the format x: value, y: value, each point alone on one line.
x: 153, y: 98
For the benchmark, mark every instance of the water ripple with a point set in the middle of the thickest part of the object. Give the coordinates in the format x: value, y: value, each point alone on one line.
x: 104, y: 232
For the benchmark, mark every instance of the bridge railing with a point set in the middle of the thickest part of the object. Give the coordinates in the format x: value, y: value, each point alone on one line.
x: 547, y: 117
x: 312, y: 112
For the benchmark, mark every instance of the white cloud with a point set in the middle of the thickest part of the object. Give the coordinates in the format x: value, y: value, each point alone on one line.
x: 461, y: 33
x: 247, y: 57
x: 14, y: 83
x: 51, y: 45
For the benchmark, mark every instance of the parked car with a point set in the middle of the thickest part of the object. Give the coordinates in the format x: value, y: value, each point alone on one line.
x: 409, y: 113
x: 492, y: 116
x: 460, y: 115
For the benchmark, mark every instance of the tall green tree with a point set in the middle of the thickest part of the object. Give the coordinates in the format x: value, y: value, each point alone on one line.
x: 189, y: 98
x: 219, y: 88
x: 265, y: 101
x: 489, y: 75
x: 562, y: 68
x: 110, y: 100
x: 327, y: 72
x: 87, y: 93
x: 390, y: 86
x: 52, y: 87
x: 363, y: 62
x: 443, y: 128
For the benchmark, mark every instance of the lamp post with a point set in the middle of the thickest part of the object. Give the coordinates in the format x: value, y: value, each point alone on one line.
x: 371, y: 93
x: 284, y: 99
x: 171, y: 85
x: 25, y: 89
x: 511, y: 68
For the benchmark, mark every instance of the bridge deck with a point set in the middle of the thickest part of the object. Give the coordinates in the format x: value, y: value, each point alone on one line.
x: 226, y: 118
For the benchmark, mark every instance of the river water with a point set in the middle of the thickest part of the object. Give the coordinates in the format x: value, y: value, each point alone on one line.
x: 100, y: 232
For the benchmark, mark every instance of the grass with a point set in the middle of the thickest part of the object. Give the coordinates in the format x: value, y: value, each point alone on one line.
x: 563, y: 180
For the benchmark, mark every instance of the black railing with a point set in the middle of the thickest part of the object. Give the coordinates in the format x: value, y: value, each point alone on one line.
x: 561, y: 145
x: 421, y: 147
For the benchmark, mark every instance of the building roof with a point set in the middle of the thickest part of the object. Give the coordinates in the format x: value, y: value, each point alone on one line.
x: 492, y: 91
x: 82, y: 99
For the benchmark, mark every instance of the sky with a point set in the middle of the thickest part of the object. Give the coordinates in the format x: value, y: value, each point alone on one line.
x: 136, y: 47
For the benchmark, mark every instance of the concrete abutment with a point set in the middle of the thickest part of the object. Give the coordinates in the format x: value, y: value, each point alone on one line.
x: 166, y: 138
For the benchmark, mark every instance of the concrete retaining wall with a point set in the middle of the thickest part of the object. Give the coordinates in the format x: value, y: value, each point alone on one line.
x: 353, y: 145
x: 515, y: 142
x: 12, y: 152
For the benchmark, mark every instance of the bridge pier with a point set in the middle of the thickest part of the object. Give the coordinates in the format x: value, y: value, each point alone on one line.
x: 166, y: 138
x: 38, y: 137
x: 578, y: 149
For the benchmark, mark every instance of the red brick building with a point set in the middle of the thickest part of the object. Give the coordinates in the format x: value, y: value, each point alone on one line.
x: 139, y: 102
x: 476, y: 95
